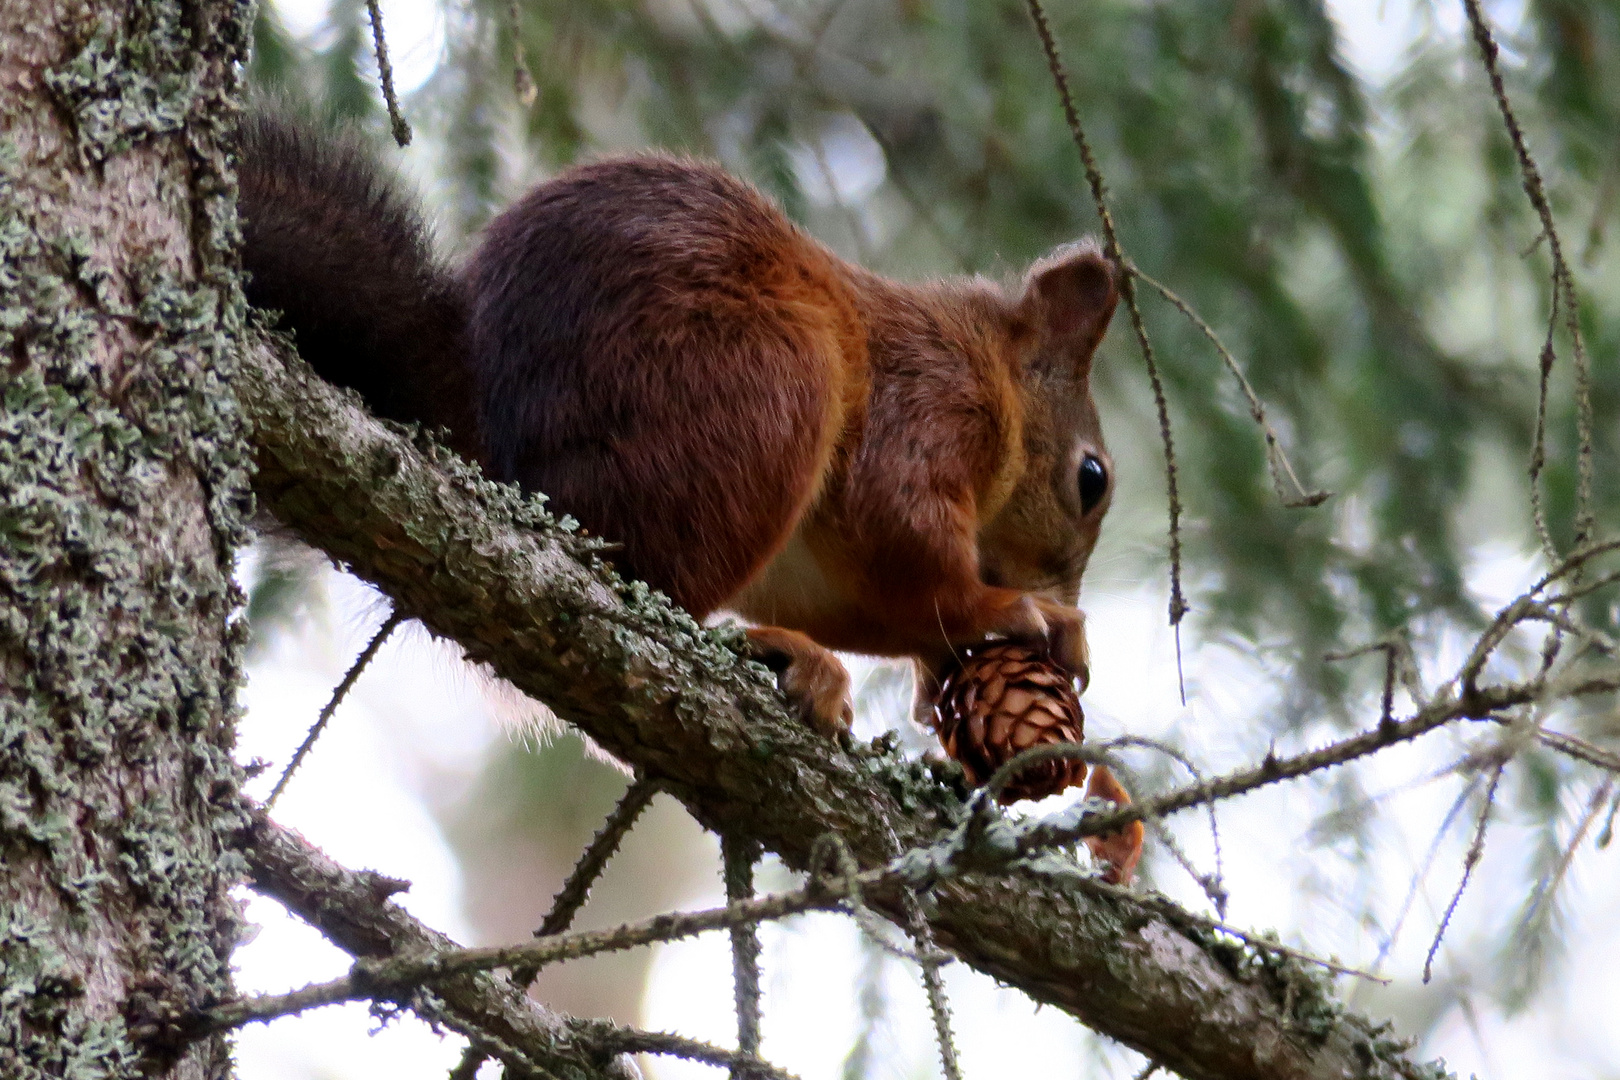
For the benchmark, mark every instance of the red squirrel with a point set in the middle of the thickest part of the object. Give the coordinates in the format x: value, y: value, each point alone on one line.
x: 848, y: 462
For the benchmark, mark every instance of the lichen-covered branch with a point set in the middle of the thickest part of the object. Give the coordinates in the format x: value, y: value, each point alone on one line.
x: 482, y: 566
x: 493, y: 1011
x: 352, y: 909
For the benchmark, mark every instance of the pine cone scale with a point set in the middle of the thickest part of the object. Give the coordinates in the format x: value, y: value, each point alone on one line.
x: 1001, y: 699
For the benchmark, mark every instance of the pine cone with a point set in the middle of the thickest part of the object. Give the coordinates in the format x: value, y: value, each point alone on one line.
x: 1003, y: 698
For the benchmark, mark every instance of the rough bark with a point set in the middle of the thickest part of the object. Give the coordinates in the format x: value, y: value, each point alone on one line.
x: 480, y: 565
x: 123, y: 480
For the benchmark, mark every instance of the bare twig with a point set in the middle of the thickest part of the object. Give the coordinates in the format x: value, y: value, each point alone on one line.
x: 1422, y: 872
x: 928, y: 958
x: 350, y: 908
x: 522, y: 78
x: 1563, y: 281
x: 739, y: 855
x: 1276, y: 456
x: 1476, y: 849
x: 1548, y: 885
x: 383, y: 978
x: 392, y: 978
x: 939, y: 1006
x: 385, y: 73
x: 1127, y: 288
x: 613, y: 1038
x: 1445, y: 708
x: 1538, y: 444
x: 577, y: 889
x: 1214, y: 884
x: 571, y: 897
x: 1606, y: 835
x: 344, y: 686
x: 1576, y: 748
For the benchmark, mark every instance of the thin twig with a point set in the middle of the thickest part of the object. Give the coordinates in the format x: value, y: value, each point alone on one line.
x: 1563, y: 277
x: 385, y: 73
x: 939, y: 1006
x: 577, y: 889
x: 1422, y: 872
x: 350, y: 908
x: 1276, y: 456
x: 739, y: 855
x: 1213, y: 885
x: 615, y: 1039
x: 522, y: 78
x: 1576, y: 748
x: 1127, y: 288
x: 387, y: 979
x: 371, y: 978
x: 1607, y: 833
x: 1400, y: 667
x: 342, y: 691
x: 1476, y: 849
x: 1538, y: 444
x: 931, y: 960
x: 1548, y: 885
x: 1479, y: 703
x: 574, y: 892
x: 1386, y: 703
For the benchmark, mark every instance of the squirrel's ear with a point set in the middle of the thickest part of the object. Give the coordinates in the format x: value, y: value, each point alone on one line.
x: 1069, y: 296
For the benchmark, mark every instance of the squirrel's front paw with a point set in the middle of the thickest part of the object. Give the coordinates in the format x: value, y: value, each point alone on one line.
x: 814, y: 680
x: 1057, y: 627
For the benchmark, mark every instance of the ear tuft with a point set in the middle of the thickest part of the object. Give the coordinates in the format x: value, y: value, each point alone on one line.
x: 1069, y: 296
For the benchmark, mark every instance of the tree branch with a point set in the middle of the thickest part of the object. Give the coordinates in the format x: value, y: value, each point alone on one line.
x: 352, y: 909
x: 479, y: 565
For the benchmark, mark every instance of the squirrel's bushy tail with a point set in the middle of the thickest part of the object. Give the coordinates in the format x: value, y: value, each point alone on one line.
x: 331, y: 242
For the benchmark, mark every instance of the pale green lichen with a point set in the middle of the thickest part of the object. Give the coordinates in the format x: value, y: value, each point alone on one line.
x: 120, y: 649
x: 136, y: 76
x: 42, y: 1032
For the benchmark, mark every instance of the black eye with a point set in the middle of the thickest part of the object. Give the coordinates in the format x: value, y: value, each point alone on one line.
x: 1093, y: 483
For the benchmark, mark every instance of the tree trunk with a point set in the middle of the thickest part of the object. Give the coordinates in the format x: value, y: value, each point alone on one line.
x: 122, y: 498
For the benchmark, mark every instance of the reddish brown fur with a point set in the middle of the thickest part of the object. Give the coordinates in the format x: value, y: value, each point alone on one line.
x: 867, y: 465
x: 670, y: 360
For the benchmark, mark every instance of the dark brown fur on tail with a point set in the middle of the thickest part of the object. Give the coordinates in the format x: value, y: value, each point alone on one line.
x: 330, y: 243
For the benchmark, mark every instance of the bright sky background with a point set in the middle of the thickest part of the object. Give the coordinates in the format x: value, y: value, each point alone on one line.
x: 420, y: 719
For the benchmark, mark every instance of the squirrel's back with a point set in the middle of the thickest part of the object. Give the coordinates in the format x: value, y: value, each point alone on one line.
x: 344, y: 256
x: 668, y: 357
